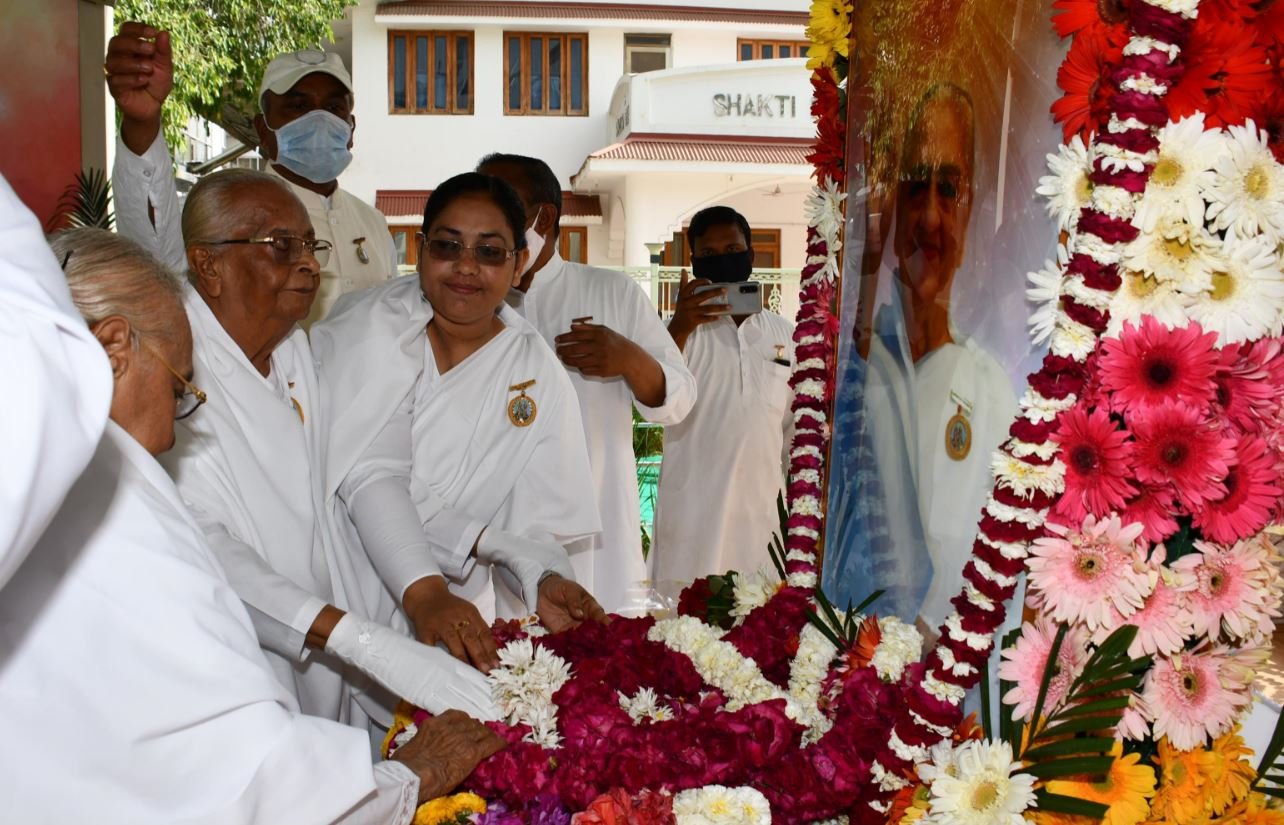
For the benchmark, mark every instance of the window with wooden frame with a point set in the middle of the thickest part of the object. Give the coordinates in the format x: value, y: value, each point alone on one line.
x: 573, y: 244
x: 430, y: 72
x: 545, y: 74
x: 403, y: 238
x: 770, y: 49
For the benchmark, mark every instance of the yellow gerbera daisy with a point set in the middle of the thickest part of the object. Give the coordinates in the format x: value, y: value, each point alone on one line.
x: 828, y: 30
x: 1254, y: 810
x: 1125, y: 788
x: 1181, y: 796
x: 1227, y: 772
x: 447, y: 809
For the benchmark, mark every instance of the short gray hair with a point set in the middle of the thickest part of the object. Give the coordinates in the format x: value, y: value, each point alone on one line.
x: 213, y: 210
x: 111, y: 275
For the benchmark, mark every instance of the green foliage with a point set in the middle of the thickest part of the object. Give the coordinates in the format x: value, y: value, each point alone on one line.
x: 840, y: 628
x: 1270, y: 773
x: 222, y: 46
x: 87, y: 202
x: 648, y: 438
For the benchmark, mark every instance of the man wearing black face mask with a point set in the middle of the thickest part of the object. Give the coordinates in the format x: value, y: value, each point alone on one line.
x: 305, y: 131
x: 725, y: 463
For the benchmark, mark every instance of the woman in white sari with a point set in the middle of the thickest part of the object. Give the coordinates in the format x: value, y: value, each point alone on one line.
x: 456, y: 436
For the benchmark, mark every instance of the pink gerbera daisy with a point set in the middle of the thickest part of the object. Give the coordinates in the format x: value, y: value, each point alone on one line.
x: 1176, y: 445
x: 1147, y: 365
x: 1135, y: 724
x: 1164, y: 622
x: 1187, y: 698
x: 1025, y: 662
x: 1251, y: 495
x: 1154, y: 509
x: 1230, y: 588
x: 1246, y: 390
x: 1097, y: 456
x: 1090, y: 575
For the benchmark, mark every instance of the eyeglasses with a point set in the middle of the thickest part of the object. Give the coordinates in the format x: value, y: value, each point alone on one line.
x: 288, y: 249
x: 441, y: 249
x: 191, y: 400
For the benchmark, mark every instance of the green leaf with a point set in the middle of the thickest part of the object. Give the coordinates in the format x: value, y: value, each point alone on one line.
x: 1070, y: 747
x: 1099, y: 707
x: 1271, y: 755
x: 870, y: 599
x: 825, y: 629
x: 1082, y: 724
x: 1071, y: 766
x: 1048, y: 672
x: 987, y: 724
x: 1058, y: 804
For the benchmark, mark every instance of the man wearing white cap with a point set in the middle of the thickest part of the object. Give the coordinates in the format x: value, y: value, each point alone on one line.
x: 305, y: 131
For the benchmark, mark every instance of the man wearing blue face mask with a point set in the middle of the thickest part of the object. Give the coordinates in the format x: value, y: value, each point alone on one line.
x: 305, y: 131
x: 724, y: 464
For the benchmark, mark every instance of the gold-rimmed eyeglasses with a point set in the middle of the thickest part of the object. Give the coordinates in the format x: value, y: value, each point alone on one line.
x: 288, y: 249
x: 192, y: 397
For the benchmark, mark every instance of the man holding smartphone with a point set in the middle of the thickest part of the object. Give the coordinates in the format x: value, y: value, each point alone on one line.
x: 725, y: 463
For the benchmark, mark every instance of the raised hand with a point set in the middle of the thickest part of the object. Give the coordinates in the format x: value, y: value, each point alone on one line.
x: 694, y: 309
x: 140, y: 75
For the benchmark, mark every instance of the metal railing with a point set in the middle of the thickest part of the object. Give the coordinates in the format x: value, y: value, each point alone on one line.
x: 780, y: 287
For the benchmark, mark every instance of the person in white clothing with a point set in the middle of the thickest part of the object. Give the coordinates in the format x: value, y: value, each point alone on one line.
x: 455, y: 431
x: 305, y: 131
x: 185, y: 721
x: 54, y: 365
x: 724, y: 465
x: 619, y: 356
x: 251, y: 467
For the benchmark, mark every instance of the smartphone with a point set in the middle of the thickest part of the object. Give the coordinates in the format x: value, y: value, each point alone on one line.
x: 743, y: 297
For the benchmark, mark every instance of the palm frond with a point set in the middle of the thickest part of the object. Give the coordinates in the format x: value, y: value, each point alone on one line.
x: 85, y: 203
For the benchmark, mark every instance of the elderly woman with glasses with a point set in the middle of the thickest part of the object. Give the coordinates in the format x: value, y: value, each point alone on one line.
x: 456, y: 443
x: 250, y: 466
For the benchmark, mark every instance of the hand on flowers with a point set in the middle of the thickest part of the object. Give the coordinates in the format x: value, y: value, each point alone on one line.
x: 422, y: 675
x: 445, y: 751
x: 527, y: 560
x: 140, y: 75
x: 438, y: 615
x: 564, y: 604
x: 695, y: 309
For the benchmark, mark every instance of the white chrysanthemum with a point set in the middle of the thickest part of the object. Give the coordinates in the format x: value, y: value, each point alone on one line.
x: 981, y: 789
x: 1246, y: 190
x: 753, y: 590
x: 806, y: 672
x: 1173, y: 190
x: 645, y: 706
x: 899, y: 646
x: 720, y: 805
x: 523, y: 686
x: 1186, y: 8
x: 824, y: 211
x: 1181, y: 253
x: 1067, y: 189
x: 1247, y: 293
x: 940, y: 762
x: 1140, y: 295
x: 1045, y: 293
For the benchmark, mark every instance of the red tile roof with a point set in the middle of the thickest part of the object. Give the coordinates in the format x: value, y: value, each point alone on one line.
x: 398, y: 202
x: 590, y: 11
x: 708, y: 149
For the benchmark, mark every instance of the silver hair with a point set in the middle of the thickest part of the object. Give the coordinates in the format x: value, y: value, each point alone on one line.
x: 110, y: 275
x: 217, y: 210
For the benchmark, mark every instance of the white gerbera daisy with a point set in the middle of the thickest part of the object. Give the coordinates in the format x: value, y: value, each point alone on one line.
x: 1067, y: 188
x: 1247, y: 293
x: 1186, y: 155
x: 1140, y: 295
x: 720, y: 805
x: 1246, y: 191
x: 1176, y: 251
x: 1045, y: 293
x: 983, y: 790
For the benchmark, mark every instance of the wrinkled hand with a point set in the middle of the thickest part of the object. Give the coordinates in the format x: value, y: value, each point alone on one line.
x: 438, y: 615
x: 140, y: 71
x: 695, y: 309
x: 564, y: 604
x: 446, y: 750
x: 596, y: 350
x: 527, y: 560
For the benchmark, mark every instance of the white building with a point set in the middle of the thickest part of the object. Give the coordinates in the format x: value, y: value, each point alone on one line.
x: 647, y: 112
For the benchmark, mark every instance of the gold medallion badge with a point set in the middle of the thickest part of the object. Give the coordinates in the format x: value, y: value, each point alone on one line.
x: 522, y: 409
x: 958, y: 435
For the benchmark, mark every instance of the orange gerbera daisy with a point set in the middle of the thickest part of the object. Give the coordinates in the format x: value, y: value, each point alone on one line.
x: 1254, y: 811
x: 867, y: 639
x: 1228, y: 773
x: 1125, y: 789
x: 1085, y: 79
x: 1180, y: 798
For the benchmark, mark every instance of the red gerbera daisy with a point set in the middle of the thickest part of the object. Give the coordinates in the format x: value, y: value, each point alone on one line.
x: 1154, y: 509
x: 1097, y: 455
x: 1269, y: 114
x: 1269, y: 22
x: 1069, y: 17
x: 1251, y: 490
x: 1085, y: 79
x: 1226, y: 75
x: 1149, y: 364
x: 1176, y: 445
x: 1246, y: 391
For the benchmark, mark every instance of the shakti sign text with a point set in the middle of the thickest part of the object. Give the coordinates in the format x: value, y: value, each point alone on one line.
x: 754, y: 105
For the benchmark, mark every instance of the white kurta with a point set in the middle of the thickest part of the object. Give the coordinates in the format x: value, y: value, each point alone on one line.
x: 133, y: 690
x: 724, y: 464
x: 250, y: 464
x: 560, y: 293
x: 341, y: 219
x: 450, y: 439
x: 55, y: 377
